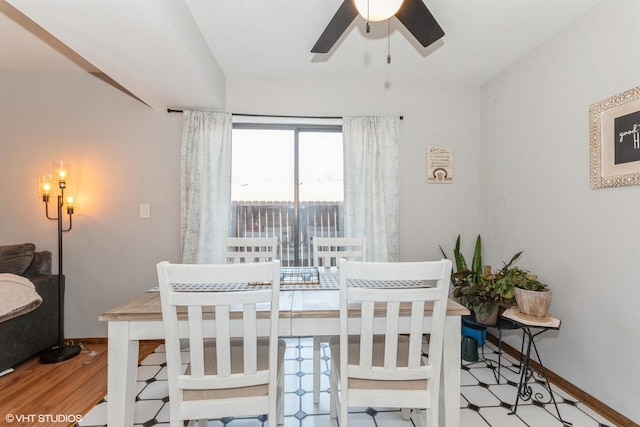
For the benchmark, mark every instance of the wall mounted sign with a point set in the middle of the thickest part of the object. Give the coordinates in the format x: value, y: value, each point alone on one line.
x: 614, y: 140
x: 439, y: 164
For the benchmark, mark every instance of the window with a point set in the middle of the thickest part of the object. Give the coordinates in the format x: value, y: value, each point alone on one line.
x: 287, y: 181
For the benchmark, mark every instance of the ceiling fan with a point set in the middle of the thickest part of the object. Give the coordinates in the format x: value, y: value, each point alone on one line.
x: 413, y: 14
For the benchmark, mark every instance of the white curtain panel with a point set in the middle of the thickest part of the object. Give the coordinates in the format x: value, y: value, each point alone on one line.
x: 372, y: 183
x: 205, y: 185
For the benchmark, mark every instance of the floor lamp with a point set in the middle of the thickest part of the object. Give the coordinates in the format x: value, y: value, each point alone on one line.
x: 60, y: 352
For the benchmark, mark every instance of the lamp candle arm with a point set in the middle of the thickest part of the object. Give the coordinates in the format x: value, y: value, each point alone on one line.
x: 46, y: 211
x: 60, y: 206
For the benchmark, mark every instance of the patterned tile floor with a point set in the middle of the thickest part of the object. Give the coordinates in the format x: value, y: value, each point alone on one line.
x: 483, y: 403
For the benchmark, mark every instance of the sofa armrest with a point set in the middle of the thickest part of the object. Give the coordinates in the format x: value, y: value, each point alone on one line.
x: 33, y: 332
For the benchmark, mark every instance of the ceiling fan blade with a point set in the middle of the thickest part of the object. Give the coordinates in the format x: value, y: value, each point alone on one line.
x: 338, y: 24
x: 420, y: 22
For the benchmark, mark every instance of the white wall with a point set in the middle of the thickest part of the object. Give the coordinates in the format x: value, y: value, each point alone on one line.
x: 122, y: 154
x: 535, y: 196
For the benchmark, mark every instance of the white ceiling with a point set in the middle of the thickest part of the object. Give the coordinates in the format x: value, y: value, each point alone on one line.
x: 177, y: 53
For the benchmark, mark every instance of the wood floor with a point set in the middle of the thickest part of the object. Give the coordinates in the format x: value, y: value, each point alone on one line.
x: 37, y: 394
x: 74, y: 386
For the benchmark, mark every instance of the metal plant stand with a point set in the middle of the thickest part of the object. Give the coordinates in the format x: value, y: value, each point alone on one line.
x: 531, y: 330
x: 502, y: 324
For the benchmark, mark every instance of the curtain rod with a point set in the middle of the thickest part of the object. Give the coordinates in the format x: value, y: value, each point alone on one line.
x: 171, y: 110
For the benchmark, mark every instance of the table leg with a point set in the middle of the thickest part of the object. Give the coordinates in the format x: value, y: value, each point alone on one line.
x: 121, y: 372
x: 316, y: 369
x: 450, y: 383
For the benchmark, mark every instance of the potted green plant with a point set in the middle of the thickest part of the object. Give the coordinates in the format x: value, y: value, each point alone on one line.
x: 488, y: 292
x: 532, y: 296
x: 494, y: 291
x: 462, y: 278
x: 512, y: 285
x: 485, y: 299
x: 476, y: 288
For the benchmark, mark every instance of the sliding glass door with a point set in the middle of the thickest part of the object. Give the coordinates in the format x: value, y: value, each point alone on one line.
x: 287, y: 181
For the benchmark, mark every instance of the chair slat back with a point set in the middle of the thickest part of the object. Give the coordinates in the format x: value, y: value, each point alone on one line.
x: 223, y: 315
x: 374, y: 312
x: 328, y: 250
x: 250, y: 249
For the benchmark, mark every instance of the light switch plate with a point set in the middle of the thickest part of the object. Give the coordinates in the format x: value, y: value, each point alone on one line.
x: 145, y: 211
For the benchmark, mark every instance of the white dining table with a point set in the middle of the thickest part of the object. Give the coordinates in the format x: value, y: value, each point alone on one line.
x: 304, y: 311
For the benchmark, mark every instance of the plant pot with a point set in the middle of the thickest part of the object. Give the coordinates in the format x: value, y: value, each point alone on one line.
x: 491, y: 319
x: 469, y: 349
x: 533, y: 303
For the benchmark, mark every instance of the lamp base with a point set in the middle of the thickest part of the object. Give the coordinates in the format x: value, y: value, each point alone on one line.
x: 59, y: 354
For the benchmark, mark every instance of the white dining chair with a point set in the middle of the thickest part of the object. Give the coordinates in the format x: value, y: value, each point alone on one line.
x: 326, y: 252
x: 235, y: 362
x: 377, y: 359
x: 250, y: 249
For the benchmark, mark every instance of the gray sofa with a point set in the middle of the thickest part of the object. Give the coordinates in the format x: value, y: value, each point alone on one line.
x: 30, y: 333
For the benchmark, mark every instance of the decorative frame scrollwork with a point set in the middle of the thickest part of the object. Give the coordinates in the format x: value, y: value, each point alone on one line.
x: 607, y: 133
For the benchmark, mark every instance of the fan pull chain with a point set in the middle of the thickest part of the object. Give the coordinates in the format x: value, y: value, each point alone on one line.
x: 389, y: 41
x: 368, y: 27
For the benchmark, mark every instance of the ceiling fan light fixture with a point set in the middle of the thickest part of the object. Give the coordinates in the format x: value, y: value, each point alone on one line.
x: 377, y: 10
